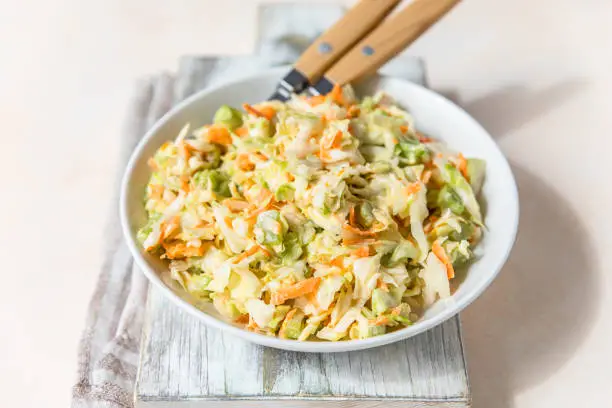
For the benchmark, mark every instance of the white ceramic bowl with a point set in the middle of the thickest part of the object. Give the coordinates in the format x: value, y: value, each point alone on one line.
x: 434, y: 115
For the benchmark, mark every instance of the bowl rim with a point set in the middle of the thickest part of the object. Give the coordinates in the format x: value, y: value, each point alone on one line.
x: 308, y: 346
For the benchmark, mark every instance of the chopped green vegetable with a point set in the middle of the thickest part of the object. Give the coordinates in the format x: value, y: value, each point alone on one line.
x: 294, y: 326
x: 447, y: 198
x: 382, y: 301
x: 226, y: 307
x: 403, y: 251
x: 380, y: 167
x: 292, y: 248
x: 228, y: 116
x: 270, y: 228
x: 144, y: 232
x: 367, y: 331
x: 212, y: 159
x: 215, y: 180
x: 279, y: 315
x: 365, y: 217
x: 476, y: 173
x: 466, y: 231
x: 285, y: 193
x: 411, y: 152
x: 459, y: 253
x: 463, y: 190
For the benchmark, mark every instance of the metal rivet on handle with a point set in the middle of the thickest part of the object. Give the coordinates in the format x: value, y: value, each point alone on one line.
x: 325, y: 48
x: 367, y: 50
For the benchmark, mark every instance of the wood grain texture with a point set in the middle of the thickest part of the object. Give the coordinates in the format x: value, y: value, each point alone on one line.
x: 356, y: 23
x: 388, y: 39
x: 183, y: 360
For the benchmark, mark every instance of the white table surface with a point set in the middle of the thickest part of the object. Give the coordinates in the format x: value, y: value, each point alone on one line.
x: 537, y: 74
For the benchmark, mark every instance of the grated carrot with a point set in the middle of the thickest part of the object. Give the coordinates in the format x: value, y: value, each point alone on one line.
x: 382, y: 285
x: 185, y: 184
x: 404, y: 129
x: 157, y: 191
x: 241, y: 131
x: 315, y: 100
x: 338, y: 262
x: 249, y: 109
x: 219, y: 134
x: 312, y: 299
x: 336, y: 141
x: 252, y: 217
x: 396, y: 311
x: 252, y: 326
x: 324, y: 155
x: 267, y: 112
x: 462, y: 166
x: 352, y: 218
x: 357, y: 231
x: 244, y: 163
x: 264, y: 251
x: 353, y: 240
x: 251, y: 251
x: 170, y: 227
x: 336, y: 95
x: 423, y: 138
x: 153, y: 164
x: 362, y: 252
x: 352, y: 112
x: 413, y: 188
x: 261, y: 156
x: 243, y: 319
x: 177, y: 250
x: 235, y: 205
x: 441, y: 255
x: 283, y: 328
x: 184, y: 150
x: 380, y: 321
x: 296, y: 290
x: 264, y: 197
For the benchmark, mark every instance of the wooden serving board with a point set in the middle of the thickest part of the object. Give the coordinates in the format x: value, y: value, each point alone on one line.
x: 184, y: 363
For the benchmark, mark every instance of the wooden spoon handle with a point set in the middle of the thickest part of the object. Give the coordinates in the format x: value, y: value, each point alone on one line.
x: 388, y: 39
x: 339, y: 38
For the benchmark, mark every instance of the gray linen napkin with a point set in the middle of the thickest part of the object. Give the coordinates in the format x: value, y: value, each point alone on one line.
x: 109, y: 348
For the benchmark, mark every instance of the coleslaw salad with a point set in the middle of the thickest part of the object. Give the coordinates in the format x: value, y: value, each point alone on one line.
x: 322, y: 218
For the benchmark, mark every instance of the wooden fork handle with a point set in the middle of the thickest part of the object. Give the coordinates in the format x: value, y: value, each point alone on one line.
x: 388, y: 39
x: 339, y: 38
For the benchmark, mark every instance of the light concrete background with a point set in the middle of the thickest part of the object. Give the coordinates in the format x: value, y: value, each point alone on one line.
x: 537, y: 74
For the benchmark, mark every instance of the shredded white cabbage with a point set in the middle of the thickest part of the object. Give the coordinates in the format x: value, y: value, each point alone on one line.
x: 320, y: 218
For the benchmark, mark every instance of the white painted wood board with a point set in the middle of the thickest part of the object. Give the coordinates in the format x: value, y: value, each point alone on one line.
x: 184, y: 363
